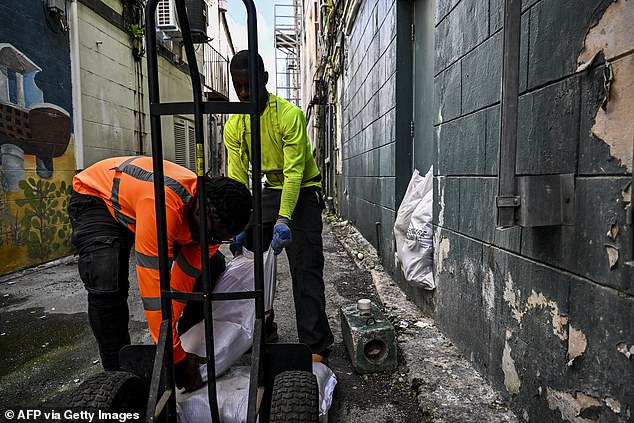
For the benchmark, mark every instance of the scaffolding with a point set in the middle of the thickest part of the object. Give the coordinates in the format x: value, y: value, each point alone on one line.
x: 288, y: 30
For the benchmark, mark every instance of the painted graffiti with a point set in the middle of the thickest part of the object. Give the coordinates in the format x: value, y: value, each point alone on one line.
x: 34, y: 139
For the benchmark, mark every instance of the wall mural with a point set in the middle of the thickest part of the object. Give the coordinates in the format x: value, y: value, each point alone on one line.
x: 35, y: 160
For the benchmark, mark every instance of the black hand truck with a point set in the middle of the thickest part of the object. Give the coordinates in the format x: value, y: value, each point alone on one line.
x: 280, y: 388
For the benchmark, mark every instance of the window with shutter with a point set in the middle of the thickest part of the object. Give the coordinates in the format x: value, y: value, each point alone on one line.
x: 185, y: 143
x: 191, y: 136
x: 180, y: 142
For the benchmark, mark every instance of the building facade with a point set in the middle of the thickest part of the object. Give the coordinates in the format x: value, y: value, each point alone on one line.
x: 545, y: 312
x: 73, y: 91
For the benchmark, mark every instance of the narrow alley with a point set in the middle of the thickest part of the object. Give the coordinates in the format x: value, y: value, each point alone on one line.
x: 474, y: 157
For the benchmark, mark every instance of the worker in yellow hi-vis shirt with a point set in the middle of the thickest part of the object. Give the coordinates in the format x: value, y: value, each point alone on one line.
x: 291, y: 200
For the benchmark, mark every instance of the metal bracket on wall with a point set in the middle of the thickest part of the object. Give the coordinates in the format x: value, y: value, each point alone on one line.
x: 546, y: 200
x: 527, y: 201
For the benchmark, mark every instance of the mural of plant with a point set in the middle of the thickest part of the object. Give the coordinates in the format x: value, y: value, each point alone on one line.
x: 44, y: 220
x: 5, y: 213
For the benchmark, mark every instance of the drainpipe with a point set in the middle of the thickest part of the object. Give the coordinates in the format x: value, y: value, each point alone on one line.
x: 508, y: 200
x: 75, y: 70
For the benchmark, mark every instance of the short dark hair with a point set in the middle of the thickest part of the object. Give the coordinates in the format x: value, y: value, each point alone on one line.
x: 241, y: 62
x: 230, y: 201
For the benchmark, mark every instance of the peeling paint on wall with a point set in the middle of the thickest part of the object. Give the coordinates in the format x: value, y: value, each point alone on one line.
x: 570, y: 406
x: 577, y: 344
x: 559, y: 321
x: 613, y: 404
x: 488, y: 292
x: 613, y: 232
x: 442, y: 253
x: 511, y: 378
x: 614, y: 36
x: 441, y: 201
x: 625, y: 350
x: 627, y: 195
x: 535, y: 301
x: 510, y: 298
x: 613, y: 255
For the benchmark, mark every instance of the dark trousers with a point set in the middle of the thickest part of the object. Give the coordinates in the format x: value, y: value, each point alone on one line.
x: 104, y: 248
x: 306, y: 260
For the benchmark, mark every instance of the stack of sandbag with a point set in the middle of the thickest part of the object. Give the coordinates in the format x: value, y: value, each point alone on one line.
x: 233, y: 323
x: 233, y: 395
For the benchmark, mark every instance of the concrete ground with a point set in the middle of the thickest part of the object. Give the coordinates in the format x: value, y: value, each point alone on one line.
x: 447, y: 386
x: 47, y: 349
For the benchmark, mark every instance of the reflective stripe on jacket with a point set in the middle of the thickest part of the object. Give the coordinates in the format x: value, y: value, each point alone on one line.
x: 126, y: 184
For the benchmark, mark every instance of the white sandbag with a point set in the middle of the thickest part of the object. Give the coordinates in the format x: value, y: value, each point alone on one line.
x: 413, y: 231
x: 233, y: 394
x: 326, y: 380
x: 233, y: 320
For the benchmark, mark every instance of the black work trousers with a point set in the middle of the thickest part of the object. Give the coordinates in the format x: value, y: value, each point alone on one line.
x: 104, y: 248
x: 306, y: 259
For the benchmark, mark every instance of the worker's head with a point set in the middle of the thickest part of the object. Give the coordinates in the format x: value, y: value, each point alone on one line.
x: 229, y: 206
x: 239, y: 69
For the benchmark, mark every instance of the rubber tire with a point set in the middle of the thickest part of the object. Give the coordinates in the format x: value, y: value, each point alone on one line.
x: 295, y: 398
x: 120, y: 392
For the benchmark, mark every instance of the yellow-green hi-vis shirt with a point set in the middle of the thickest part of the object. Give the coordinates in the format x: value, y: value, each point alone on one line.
x: 287, y: 158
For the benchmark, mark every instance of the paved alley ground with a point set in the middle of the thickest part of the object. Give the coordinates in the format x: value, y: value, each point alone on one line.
x: 47, y: 349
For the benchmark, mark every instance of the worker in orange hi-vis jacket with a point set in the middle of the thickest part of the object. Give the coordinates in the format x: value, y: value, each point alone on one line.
x: 111, y: 209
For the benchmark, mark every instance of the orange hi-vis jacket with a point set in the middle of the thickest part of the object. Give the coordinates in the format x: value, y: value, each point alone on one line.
x: 126, y: 184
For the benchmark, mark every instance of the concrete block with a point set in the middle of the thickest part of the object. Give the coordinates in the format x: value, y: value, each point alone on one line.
x: 113, y: 113
x: 478, y: 194
x: 594, y: 154
x: 524, y: 43
x: 557, y: 34
x: 547, y: 132
x: 386, y: 159
x: 448, y: 94
x: 582, y: 249
x: 496, y: 15
x: 447, y: 202
x: 600, y: 338
x: 482, y: 75
x: 386, y: 191
x: 527, y: 304
x: 459, y: 294
x: 492, y: 140
x: 464, y: 28
x: 369, y: 337
x: 528, y: 3
x: 443, y: 7
x: 462, y: 145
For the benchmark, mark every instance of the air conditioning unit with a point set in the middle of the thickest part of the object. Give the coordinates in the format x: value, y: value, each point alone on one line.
x: 197, y: 13
x: 166, y: 19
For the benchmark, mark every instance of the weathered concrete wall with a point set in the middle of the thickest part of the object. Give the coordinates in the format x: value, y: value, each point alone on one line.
x: 546, y: 312
x: 368, y: 150
x: 115, y: 94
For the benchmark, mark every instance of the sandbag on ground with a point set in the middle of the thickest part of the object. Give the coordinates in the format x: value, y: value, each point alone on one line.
x: 233, y: 395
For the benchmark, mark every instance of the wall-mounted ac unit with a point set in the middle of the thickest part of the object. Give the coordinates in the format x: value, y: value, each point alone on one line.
x: 197, y: 14
x: 166, y: 16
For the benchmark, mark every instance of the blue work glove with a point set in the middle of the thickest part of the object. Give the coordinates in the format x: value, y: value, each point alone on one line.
x: 238, y: 242
x: 281, y: 235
